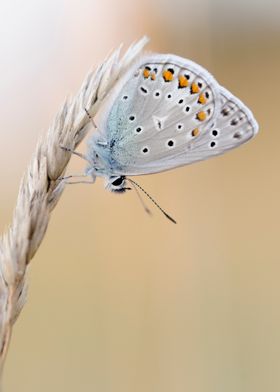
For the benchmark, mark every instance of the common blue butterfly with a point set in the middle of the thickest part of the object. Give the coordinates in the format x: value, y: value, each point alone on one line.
x: 165, y: 112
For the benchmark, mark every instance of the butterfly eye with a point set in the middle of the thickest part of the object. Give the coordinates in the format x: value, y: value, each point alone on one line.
x: 118, y: 181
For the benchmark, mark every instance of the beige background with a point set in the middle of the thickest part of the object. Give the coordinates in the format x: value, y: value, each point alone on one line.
x: 119, y: 301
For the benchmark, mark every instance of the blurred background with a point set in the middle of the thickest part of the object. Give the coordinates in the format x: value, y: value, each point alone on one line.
x: 119, y: 301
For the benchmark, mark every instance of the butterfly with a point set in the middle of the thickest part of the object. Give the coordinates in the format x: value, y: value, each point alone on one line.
x: 165, y: 112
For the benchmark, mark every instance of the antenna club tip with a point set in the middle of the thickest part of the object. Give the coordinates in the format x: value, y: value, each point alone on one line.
x: 171, y: 219
x: 134, y: 183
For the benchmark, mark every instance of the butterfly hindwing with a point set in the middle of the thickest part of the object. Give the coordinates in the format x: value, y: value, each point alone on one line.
x: 233, y: 126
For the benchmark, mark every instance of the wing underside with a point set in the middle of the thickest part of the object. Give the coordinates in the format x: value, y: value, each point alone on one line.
x: 169, y: 112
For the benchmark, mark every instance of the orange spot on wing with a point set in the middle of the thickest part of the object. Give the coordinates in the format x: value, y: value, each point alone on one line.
x: 167, y: 76
x: 183, y: 81
x: 194, y: 88
x: 201, y: 116
x: 202, y: 99
x: 195, y: 132
x: 153, y: 76
x: 146, y: 73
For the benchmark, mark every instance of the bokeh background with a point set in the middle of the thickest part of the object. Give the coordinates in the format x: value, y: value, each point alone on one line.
x: 119, y: 301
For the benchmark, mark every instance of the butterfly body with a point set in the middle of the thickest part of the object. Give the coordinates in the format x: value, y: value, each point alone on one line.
x: 165, y: 112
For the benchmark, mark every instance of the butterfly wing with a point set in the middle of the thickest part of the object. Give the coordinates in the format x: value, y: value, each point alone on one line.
x: 168, y: 112
x: 233, y: 126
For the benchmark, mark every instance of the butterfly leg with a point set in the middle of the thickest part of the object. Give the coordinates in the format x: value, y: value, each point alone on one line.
x: 74, y: 152
x: 77, y: 182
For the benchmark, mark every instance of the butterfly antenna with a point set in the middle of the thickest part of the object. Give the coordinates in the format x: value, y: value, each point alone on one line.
x: 150, y: 197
